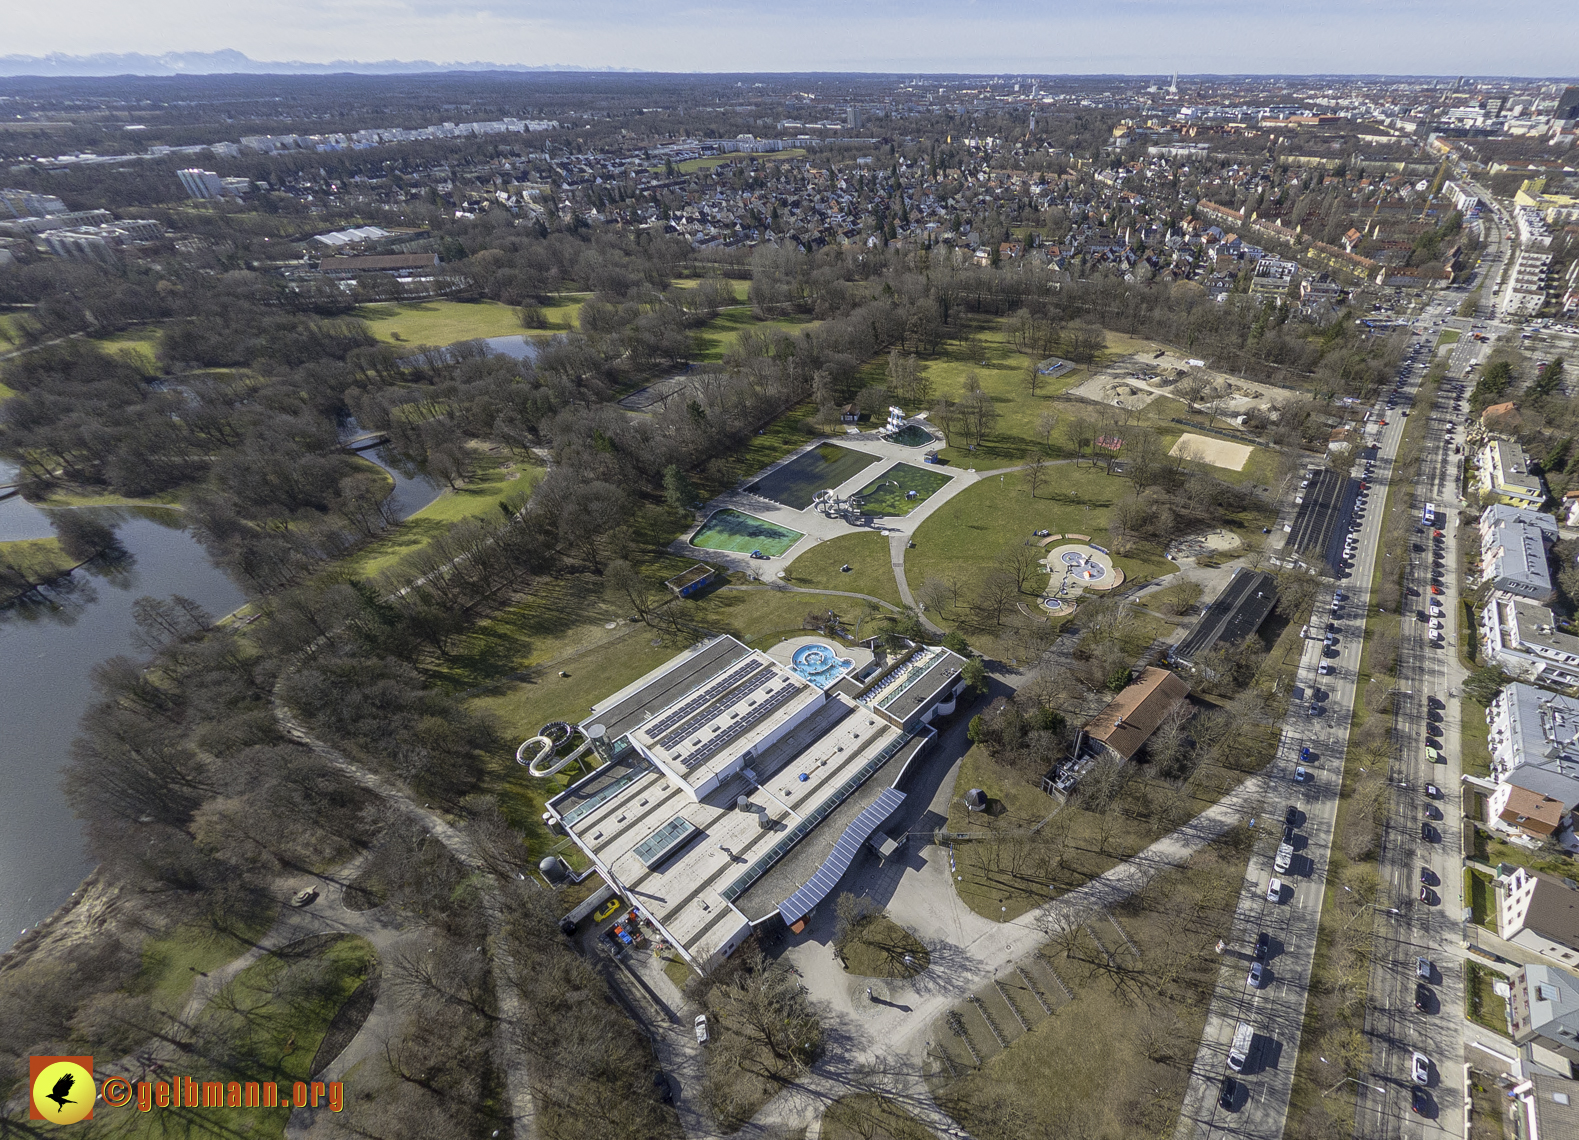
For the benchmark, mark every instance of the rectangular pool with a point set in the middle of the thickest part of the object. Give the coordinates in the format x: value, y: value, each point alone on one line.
x: 824, y: 466
x: 741, y: 533
x: 890, y: 493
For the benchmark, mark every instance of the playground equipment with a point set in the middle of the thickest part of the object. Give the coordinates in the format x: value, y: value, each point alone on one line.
x: 851, y: 509
x: 547, y: 742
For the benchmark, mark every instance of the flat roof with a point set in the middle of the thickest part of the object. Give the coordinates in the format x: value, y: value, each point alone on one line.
x: 1316, y: 532
x: 798, y: 778
x: 1233, y: 615
x: 645, y: 696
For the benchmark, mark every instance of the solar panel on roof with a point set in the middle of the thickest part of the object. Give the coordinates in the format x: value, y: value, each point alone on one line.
x: 833, y: 868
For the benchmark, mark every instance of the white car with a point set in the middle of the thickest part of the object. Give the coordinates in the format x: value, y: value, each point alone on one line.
x: 1420, y: 1068
x: 701, y: 1029
x: 1274, y: 891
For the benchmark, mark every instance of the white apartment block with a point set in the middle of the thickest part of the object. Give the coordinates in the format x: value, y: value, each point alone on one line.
x: 1525, y: 292
x: 1522, y: 638
x: 1513, y: 551
x: 1505, y: 473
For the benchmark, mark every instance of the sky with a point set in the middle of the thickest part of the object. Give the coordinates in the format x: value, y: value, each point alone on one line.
x: 1400, y: 37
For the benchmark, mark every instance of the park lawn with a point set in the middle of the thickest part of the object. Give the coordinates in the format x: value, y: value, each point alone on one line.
x: 788, y: 433
x: 139, y: 346
x: 692, y: 165
x: 1003, y: 880
x: 877, y: 949
x: 711, y: 341
x: 442, y: 322
x: 1449, y: 336
x: 171, y: 964
x: 270, y: 1037
x: 40, y: 559
x: 962, y: 537
x: 6, y: 393
x: 563, y: 313
x: 1115, y: 1057
x: 865, y: 1116
x: 867, y: 555
x: 493, y: 480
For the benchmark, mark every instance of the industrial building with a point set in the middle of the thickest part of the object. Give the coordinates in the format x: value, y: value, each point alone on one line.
x: 735, y: 786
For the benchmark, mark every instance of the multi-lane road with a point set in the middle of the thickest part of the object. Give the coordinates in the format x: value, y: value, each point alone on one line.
x: 1314, y: 741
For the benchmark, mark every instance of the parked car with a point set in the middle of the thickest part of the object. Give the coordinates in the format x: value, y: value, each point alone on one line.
x: 1433, y: 791
x: 1291, y: 814
x: 1228, y: 1094
x: 1423, y: 997
x: 701, y: 1028
x: 1423, y: 968
x: 1263, y: 946
x: 1257, y: 972
x: 1420, y: 1068
x: 1274, y: 891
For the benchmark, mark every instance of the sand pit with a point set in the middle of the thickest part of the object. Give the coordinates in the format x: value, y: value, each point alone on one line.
x: 1217, y: 452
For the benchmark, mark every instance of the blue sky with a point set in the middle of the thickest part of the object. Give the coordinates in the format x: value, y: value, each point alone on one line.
x: 1537, y: 37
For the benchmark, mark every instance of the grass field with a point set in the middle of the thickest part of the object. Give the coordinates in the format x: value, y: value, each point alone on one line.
x: 1449, y: 336
x: 6, y: 393
x: 878, y: 947
x: 865, y: 552
x: 1001, y: 880
x: 137, y: 345
x: 741, y: 533
x: 863, y: 1116
x: 962, y: 537
x: 711, y: 341
x: 1483, y: 1005
x: 1482, y: 899
x: 410, y: 323
x: 493, y: 480
x: 889, y: 494
x: 1474, y: 739
x: 171, y: 964
x: 1113, y: 1060
x: 692, y: 165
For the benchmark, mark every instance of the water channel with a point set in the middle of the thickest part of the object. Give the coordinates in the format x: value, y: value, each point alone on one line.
x: 47, y: 651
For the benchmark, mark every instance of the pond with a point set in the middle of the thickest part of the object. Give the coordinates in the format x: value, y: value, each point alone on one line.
x: 47, y: 651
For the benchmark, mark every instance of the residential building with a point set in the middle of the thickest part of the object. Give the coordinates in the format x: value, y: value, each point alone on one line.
x: 398, y: 264
x: 1505, y: 473
x: 1543, y: 1011
x: 1541, y: 914
x: 1523, y: 639
x: 1272, y: 277
x: 1513, y: 544
x: 1545, y: 1107
x: 1532, y: 726
x: 1123, y: 727
x: 1525, y: 292
x: 26, y: 204
x: 752, y: 752
x: 1530, y: 813
x: 203, y: 184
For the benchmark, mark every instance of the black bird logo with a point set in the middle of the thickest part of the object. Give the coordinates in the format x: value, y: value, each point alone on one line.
x: 58, y: 1094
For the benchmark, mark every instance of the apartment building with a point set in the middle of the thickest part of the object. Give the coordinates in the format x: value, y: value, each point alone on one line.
x: 1541, y: 914
x: 1513, y: 543
x: 1505, y: 473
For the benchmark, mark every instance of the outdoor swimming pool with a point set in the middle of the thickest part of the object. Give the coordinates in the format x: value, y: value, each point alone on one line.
x: 820, y: 664
x: 741, y: 533
x: 911, y: 435
x: 824, y: 466
x: 900, y: 490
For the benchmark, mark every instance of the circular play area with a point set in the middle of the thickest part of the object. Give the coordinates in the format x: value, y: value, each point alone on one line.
x: 1076, y: 567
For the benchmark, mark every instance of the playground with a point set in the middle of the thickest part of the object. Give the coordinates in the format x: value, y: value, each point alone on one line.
x: 1075, y: 568
x: 795, y: 483
x: 741, y: 533
x: 899, y: 490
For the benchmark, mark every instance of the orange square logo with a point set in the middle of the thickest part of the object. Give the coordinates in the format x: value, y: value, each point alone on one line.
x: 61, y: 1089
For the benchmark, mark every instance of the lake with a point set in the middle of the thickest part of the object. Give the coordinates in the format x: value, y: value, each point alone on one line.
x: 46, y: 654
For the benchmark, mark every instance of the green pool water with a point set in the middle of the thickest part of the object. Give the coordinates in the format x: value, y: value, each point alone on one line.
x: 885, y: 495
x: 741, y: 533
x: 911, y: 435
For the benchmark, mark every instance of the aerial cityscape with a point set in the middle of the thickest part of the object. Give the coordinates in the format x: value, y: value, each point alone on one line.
x: 858, y: 603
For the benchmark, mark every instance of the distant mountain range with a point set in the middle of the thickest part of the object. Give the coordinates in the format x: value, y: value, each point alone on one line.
x: 229, y: 62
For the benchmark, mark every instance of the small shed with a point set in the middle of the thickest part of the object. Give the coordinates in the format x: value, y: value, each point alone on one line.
x: 691, y: 581
x: 850, y: 414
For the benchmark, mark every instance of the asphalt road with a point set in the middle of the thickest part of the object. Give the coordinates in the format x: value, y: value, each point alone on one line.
x: 1276, y: 1009
x: 1428, y: 714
